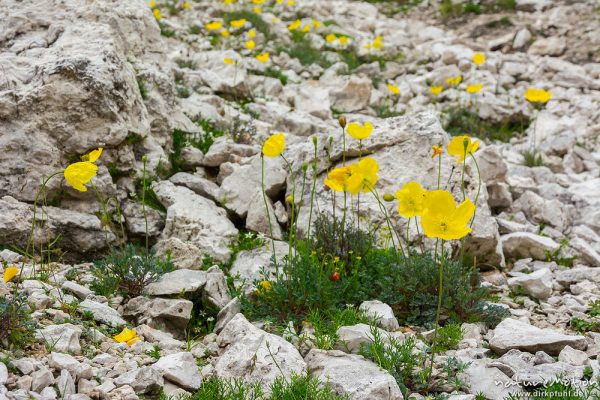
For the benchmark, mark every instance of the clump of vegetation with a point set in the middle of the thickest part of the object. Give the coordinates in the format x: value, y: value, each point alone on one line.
x: 202, y: 141
x: 128, y: 271
x: 449, y: 336
x: 458, y: 120
x: 450, y: 9
x: 254, y: 18
x: 327, y: 323
x: 272, y: 73
x: 532, y: 159
x: 297, y: 387
x: 16, y: 325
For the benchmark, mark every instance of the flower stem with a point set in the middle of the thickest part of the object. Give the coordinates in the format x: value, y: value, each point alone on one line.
x: 462, y: 178
x: 144, y: 161
x: 268, y: 214
x: 293, y: 205
x: 478, y: 188
x: 439, y: 307
x: 312, y: 194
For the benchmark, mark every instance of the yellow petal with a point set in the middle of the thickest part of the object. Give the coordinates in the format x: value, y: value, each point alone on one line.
x: 250, y: 44
x: 274, y: 145
x: 393, y: 89
x: 133, y: 340
x: 359, y: 132
x: 10, y: 273
x: 125, y: 335
x: 263, y: 58
x: 93, y: 155
x: 439, y: 203
x: 463, y: 213
x: 80, y: 173
x: 478, y: 58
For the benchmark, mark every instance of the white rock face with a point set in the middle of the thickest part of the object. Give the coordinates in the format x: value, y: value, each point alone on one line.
x: 382, y: 312
x: 480, y: 378
x: 180, y: 368
x: 538, y: 284
x: 171, y: 315
x: 253, y: 354
x: 64, y: 338
x: 142, y: 380
x: 184, y: 255
x: 352, y: 375
x: 249, y: 263
x: 176, y: 282
x: 102, y: 312
x: 194, y: 219
x: 351, y: 338
x: 572, y: 356
x: 527, y: 245
x: 516, y: 334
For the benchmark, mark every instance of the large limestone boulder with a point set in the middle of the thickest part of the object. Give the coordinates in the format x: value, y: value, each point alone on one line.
x: 195, y: 219
x: 353, y: 375
x: 254, y: 355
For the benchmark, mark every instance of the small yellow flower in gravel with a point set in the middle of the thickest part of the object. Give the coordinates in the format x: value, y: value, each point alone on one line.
x: 474, y: 88
x: 228, y: 61
x: 10, y: 273
x: 343, y: 40
x: 537, y: 95
x: 454, y: 81
x: 214, y: 26
x: 187, y: 5
x: 331, y: 38
x: 263, y: 57
x: 393, y: 89
x: 294, y: 25
x: 157, y: 14
x: 128, y: 336
x: 478, y: 58
x: 225, y: 33
x: 238, y: 23
x: 435, y: 90
x: 252, y: 33
x: 250, y: 45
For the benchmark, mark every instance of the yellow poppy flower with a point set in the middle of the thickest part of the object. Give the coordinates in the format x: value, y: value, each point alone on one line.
x: 10, y: 273
x: 454, y: 81
x: 228, y: 2
x: 435, y: 90
x: 264, y: 287
x: 378, y: 42
x: 411, y: 200
x: 258, y: 1
x: 256, y: 10
x: 128, y: 336
x: 214, y: 26
x: 393, y: 89
x: 252, y: 33
x: 294, y: 25
x: 152, y: 4
x: 187, y: 5
x: 336, y: 178
x: 305, y: 28
x: 291, y: 2
x: 537, y: 95
x: 250, y: 45
x: 359, y: 132
x: 443, y: 219
x: 461, y: 146
x: 363, y: 176
x: 474, y: 88
x: 343, y: 40
x: 225, y: 33
x: 316, y: 23
x: 228, y: 61
x: 80, y: 173
x: 274, y: 145
x: 238, y: 23
x: 157, y: 14
x: 478, y: 58
x: 437, y: 150
x: 330, y: 38
x: 263, y: 57
x: 93, y: 155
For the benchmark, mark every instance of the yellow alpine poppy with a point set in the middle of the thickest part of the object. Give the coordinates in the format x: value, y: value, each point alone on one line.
x: 378, y: 42
x: 343, y: 40
x: 363, y: 176
x: 128, y: 336
x: 250, y: 45
x: 274, y: 145
x: 437, y: 150
x: 252, y: 33
x: 435, y: 90
x: 393, y: 89
x: 238, y: 23
x: 93, y: 155
x: 263, y: 57
x: 537, y: 95
x: 411, y: 200
x: 443, y: 219
x: 336, y: 179
x: 478, y: 58
x: 157, y: 14
x: 187, y: 5
x: 225, y: 33
x: 228, y: 61
x: 10, y: 273
x: 213, y: 26
x: 80, y: 173
x: 330, y: 38
x: 474, y: 88
x: 294, y: 25
x: 359, y: 132
x: 454, y: 81
x: 461, y: 146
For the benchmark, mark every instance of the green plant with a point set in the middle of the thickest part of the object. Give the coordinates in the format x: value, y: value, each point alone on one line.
x: 303, y: 50
x: 385, y: 111
x: 16, y: 325
x: 582, y: 326
x: 254, y: 19
x: 449, y: 336
x: 142, y: 87
x: 166, y: 32
x: 327, y: 323
x: 154, y: 352
x: 271, y: 72
x: 458, y: 120
x: 302, y: 387
x: 452, y: 368
x: 594, y: 310
x: 532, y: 159
x: 146, y: 195
x: 557, y: 257
x: 189, y: 64
x: 127, y: 272
x: 400, y: 359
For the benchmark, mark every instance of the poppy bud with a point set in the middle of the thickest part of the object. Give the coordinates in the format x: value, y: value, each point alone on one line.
x: 304, y: 166
x: 335, y: 276
x: 315, y: 140
x: 144, y: 158
x: 342, y: 121
x: 289, y: 199
x: 388, y: 197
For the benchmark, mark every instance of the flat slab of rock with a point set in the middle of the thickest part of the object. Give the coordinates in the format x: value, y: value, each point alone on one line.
x: 350, y: 338
x: 102, y: 312
x: 254, y: 355
x: 352, y: 375
x: 64, y: 338
x: 527, y: 245
x: 180, y: 368
x: 177, y: 282
x: 382, y: 312
x: 538, y: 284
x: 481, y: 378
x: 515, y: 334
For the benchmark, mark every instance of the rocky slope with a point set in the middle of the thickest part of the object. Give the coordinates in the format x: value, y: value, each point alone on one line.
x: 77, y: 75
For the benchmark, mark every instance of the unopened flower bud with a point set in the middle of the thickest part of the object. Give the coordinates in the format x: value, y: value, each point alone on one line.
x: 145, y: 158
x: 289, y: 199
x: 342, y: 121
x: 315, y: 140
x: 388, y: 197
x: 304, y: 166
